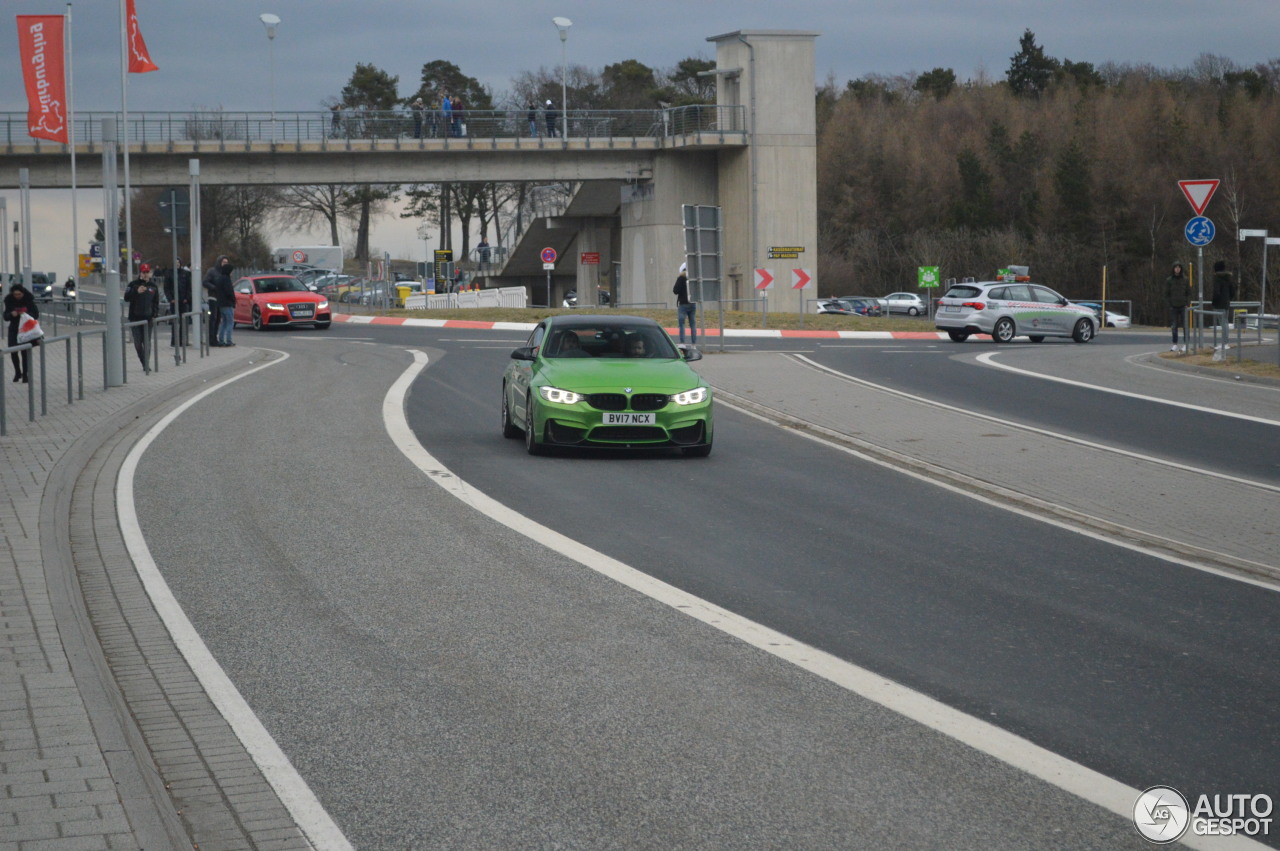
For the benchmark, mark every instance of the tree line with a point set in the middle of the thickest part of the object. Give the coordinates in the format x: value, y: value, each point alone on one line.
x: 1060, y: 166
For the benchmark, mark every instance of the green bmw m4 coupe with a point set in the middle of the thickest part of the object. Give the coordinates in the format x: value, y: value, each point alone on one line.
x: 605, y: 381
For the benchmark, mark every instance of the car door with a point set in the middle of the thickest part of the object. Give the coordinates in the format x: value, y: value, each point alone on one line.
x: 244, y: 301
x: 1054, y: 313
x: 521, y: 373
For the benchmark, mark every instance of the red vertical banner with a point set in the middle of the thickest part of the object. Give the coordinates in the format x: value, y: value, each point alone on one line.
x: 139, y: 59
x: 40, y: 44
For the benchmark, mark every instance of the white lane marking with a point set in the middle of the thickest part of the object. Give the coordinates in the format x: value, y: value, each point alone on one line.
x: 1053, y: 434
x: 987, y: 738
x: 987, y: 359
x: 292, y: 790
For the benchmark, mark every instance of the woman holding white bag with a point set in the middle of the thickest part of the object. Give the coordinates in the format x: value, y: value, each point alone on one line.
x: 19, y: 304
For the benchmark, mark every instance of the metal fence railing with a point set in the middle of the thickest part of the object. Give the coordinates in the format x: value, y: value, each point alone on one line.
x: 41, y: 375
x: 224, y: 128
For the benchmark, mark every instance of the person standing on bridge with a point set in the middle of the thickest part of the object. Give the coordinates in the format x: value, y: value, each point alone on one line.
x: 335, y: 123
x: 533, y: 120
x: 1175, y: 296
x: 552, y: 117
x: 446, y: 114
x: 686, y: 309
x: 417, y: 108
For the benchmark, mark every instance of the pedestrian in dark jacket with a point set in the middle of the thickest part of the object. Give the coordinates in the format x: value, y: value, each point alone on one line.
x: 686, y: 308
x: 179, y: 294
x: 217, y: 284
x: 19, y: 303
x: 1176, y: 297
x: 1224, y: 290
x: 144, y: 304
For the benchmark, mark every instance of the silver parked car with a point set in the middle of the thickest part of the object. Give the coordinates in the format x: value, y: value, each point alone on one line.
x: 908, y: 303
x: 1008, y: 309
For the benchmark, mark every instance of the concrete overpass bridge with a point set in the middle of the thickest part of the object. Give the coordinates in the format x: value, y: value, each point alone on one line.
x: 752, y: 154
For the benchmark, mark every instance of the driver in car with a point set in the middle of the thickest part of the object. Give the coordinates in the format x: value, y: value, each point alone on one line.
x: 570, y: 346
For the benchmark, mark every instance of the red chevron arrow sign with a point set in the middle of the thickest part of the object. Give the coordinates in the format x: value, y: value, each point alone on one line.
x: 763, y: 279
x: 800, y: 279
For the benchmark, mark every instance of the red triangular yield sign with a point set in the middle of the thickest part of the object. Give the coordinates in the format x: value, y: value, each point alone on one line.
x: 1198, y: 192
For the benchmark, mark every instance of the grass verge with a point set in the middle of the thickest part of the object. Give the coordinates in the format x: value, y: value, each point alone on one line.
x: 1247, y: 366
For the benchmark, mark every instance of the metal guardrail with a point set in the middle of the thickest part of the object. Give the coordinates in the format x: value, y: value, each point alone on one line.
x: 224, y: 126
x: 38, y: 373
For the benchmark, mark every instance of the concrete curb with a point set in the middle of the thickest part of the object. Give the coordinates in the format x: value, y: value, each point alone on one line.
x: 1225, y: 374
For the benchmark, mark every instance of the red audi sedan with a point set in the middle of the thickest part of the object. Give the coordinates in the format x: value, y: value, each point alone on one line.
x: 264, y: 301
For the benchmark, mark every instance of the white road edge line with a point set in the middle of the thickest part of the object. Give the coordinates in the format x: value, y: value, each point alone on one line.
x: 1101, y: 447
x: 987, y: 359
x: 293, y: 791
x: 1014, y: 750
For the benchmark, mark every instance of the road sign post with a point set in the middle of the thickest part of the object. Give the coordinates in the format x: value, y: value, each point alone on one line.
x: 1199, y: 231
x: 548, y: 263
x: 927, y: 278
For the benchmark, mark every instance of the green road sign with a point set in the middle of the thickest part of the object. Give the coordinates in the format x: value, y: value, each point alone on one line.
x: 927, y: 277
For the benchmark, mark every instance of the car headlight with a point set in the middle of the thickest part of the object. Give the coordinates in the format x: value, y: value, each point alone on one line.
x: 273, y: 306
x: 690, y: 397
x: 562, y: 397
x: 322, y: 305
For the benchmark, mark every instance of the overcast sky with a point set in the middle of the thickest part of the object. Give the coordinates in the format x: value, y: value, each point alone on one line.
x: 215, y: 53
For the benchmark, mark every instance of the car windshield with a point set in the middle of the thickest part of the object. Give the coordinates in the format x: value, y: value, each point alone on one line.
x: 609, y: 340
x: 280, y: 285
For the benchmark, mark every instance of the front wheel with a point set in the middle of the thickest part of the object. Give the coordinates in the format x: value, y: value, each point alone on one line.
x: 1083, y: 332
x: 256, y: 320
x: 531, y: 444
x: 958, y: 336
x: 1036, y: 338
x: 1004, y: 330
x: 913, y: 311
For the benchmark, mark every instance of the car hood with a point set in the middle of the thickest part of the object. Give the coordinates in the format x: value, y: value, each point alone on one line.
x: 649, y: 375
x: 290, y: 297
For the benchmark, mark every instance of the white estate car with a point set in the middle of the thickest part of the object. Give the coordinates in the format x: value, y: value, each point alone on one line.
x: 1008, y: 309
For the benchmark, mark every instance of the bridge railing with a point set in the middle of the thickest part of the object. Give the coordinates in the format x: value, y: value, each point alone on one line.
x: 222, y: 126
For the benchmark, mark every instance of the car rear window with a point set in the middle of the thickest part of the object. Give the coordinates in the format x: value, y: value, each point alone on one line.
x: 963, y: 291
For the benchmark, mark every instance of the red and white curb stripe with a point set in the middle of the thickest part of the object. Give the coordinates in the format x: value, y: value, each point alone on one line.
x: 710, y: 332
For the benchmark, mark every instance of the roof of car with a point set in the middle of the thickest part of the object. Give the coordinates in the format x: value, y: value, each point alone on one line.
x: 589, y: 320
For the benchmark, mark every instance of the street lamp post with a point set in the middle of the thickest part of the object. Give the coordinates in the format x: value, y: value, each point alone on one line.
x: 271, y: 21
x: 563, y: 25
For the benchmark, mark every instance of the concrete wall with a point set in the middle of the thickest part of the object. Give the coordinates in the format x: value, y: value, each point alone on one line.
x: 769, y: 192
x: 652, y: 225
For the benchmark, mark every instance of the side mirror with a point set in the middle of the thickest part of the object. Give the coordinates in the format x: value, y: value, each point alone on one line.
x: 688, y: 352
x: 523, y: 353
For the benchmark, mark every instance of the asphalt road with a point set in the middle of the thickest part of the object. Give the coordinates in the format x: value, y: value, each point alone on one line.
x: 440, y: 681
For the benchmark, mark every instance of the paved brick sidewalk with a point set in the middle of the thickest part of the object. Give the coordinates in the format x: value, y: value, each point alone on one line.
x: 80, y: 768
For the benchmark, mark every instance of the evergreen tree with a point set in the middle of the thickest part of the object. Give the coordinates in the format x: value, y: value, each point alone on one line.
x: 1030, y: 71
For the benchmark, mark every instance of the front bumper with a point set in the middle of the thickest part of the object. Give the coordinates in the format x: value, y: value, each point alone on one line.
x: 580, y: 424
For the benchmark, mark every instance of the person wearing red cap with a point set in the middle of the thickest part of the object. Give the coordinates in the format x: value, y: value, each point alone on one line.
x: 144, y: 303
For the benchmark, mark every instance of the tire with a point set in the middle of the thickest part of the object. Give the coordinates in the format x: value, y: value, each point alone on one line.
x: 1083, y: 331
x: 509, y: 429
x: 1004, y: 330
x: 1036, y: 338
x: 958, y: 336
x: 322, y: 326
x: 531, y: 444
x: 697, y: 451
x: 913, y: 311
x: 256, y: 320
